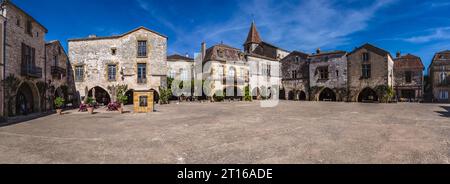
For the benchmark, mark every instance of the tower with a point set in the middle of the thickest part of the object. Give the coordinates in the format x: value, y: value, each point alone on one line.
x: 253, y: 39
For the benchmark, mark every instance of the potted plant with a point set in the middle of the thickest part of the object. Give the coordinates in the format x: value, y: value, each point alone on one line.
x: 59, y: 103
x: 122, y: 99
x: 90, y: 105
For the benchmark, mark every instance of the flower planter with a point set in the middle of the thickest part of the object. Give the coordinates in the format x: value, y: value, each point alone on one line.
x: 59, y: 111
x: 90, y: 110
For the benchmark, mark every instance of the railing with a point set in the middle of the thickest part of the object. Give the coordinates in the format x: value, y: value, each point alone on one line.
x: 57, y: 71
x: 31, y: 71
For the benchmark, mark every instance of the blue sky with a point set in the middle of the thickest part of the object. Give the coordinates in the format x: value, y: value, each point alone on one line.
x: 410, y: 26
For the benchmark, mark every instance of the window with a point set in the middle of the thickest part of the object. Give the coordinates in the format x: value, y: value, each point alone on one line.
x: 295, y: 74
x: 443, y: 78
x: 408, y: 77
x: 220, y: 73
x: 142, y: 73
x: 143, y: 101
x: 79, y: 73
x: 29, y: 27
x: 337, y: 73
x: 172, y: 74
x: 112, y: 72
x: 365, y: 56
x: 55, y: 60
x: 323, y: 72
x: 37, y: 34
x: 113, y: 51
x: 443, y: 95
x: 18, y: 22
x: 28, y: 56
x: 366, y: 71
x: 142, y: 48
x: 269, y: 68
x: 231, y: 73
x: 184, y: 75
x: 297, y: 59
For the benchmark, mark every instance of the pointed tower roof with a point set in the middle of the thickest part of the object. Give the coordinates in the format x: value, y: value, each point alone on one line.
x: 253, y: 35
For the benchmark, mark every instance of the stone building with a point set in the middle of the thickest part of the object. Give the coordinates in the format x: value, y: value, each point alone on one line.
x: 137, y: 58
x: 328, y: 76
x: 227, y: 70
x: 295, y: 77
x: 408, y: 74
x: 58, y: 74
x: 264, y: 64
x: 2, y: 68
x: 23, y: 63
x: 180, y: 67
x: 439, y: 72
x: 370, y: 73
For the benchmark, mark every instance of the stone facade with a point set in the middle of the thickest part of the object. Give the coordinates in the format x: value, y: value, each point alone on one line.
x: 328, y: 76
x: 409, y: 78
x: 227, y: 70
x: 137, y: 58
x: 24, y: 62
x: 180, y: 67
x: 58, y: 74
x: 439, y: 72
x: 295, y: 77
x: 369, y: 68
x: 2, y: 68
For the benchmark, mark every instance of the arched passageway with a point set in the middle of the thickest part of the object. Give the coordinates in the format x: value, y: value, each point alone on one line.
x: 302, y: 96
x: 368, y: 95
x: 27, y: 99
x: 130, y: 95
x: 101, y: 95
x: 327, y: 95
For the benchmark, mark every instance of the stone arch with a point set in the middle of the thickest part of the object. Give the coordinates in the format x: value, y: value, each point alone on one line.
x: 101, y: 95
x: 368, y: 95
x: 327, y: 95
x: 302, y: 96
x: 256, y: 93
x: 27, y: 99
x: 155, y: 95
x: 282, y: 94
x: 130, y: 95
x: 291, y: 95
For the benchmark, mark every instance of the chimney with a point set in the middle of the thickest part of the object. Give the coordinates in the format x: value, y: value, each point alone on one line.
x: 399, y: 54
x: 318, y: 51
x: 203, y: 50
x: 92, y: 36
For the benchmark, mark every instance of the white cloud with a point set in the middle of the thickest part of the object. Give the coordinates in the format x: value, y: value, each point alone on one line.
x: 442, y: 33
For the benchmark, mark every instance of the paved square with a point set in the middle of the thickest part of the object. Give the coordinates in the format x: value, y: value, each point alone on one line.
x: 293, y: 132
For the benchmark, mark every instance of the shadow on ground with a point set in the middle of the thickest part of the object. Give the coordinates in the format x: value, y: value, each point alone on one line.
x: 446, y: 112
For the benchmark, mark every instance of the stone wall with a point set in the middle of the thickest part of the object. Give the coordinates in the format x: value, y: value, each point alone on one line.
x: 337, y: 78
x: 416, y: 83
x: 2, y: 100
x: 381, y: 72
x: 290, y: 84
x: 96, y: 54
x: 257, y: 77
x: 436, y: 71
x: 15, y: 36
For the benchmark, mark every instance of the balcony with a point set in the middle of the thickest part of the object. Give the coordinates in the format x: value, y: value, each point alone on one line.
x: 58, y: 71
x: 235, y: 80
x: 31, y: 71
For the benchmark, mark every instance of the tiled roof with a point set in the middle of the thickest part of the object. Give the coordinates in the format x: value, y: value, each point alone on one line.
x: 374, y: 49
x: 118, y: 36
x: 295, y: 53
x: 177, y: 57
x: 253, y: 35
x: 229, y: 53
x: 325, y: 56
x: 408, y: 62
